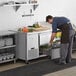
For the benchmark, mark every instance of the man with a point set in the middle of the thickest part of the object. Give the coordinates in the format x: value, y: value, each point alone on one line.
x: 65, y: 26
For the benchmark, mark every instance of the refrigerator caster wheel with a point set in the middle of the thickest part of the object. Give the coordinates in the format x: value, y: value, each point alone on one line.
x: 26, y: 62
x: 49, y: 57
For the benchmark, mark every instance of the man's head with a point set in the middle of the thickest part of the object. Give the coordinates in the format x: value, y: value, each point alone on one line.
x: 49, y: 19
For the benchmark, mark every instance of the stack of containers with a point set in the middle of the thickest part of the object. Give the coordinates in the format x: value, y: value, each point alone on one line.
x: 3, y: 43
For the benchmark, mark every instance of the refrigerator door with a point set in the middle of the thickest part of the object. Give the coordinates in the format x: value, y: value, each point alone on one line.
x: 32, y: 46
x: 74, y: 43
x: 45, y: 38
x: 55, y: 53
x: 32, y: 41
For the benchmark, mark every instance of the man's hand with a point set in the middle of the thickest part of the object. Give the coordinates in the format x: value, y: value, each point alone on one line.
x: 52, y: 37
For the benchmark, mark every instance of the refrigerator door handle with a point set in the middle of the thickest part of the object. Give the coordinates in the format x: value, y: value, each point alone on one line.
x: 32, y: 48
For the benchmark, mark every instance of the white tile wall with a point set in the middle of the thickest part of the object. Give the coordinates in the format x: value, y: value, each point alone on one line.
x: 10, y: 19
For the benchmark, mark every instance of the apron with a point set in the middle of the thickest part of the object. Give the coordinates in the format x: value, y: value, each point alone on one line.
x: 65, y: 33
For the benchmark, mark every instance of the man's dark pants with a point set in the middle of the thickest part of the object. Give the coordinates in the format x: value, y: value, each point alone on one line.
x: 66, y: 47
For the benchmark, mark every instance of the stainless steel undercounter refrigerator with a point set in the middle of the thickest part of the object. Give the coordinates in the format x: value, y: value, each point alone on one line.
x: 55, y: 51
x: 51, y: 51
x: 74, y: 43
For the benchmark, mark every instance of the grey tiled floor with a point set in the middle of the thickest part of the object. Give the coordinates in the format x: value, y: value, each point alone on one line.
x: 66, y: 72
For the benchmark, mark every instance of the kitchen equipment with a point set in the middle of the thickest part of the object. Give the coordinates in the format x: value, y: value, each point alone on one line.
x: 8, y: 41
x: 44, y: 37
x: 74, y: 43
x: 10, y: 56
x: 7, y: 38
x: 0, y: 57
x: 4, y: 56
x: 45, y: 50
x: 55, y: 51
x: 2, y: 42
x: 28, y: 47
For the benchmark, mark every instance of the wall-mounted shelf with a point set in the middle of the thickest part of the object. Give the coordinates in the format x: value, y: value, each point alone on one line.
x: 18, y: 5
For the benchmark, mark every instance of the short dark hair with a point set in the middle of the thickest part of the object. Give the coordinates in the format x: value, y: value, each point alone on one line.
x: 48, y: 17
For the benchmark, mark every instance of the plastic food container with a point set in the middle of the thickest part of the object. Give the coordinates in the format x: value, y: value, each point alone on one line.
x: 55, y: 53
x: 0, y: 58
x: 4, y: 57
x: 2, y: 42
x: 10, y: 56
x: 8, y: 41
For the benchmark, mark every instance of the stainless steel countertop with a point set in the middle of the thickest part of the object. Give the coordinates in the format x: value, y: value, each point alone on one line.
x: 3, y: 33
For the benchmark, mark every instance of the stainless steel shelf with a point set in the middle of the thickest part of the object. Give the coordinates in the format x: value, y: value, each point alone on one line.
x: 21, y: 4
x: 8, y: 47
x: 8, y: 60
x: 42, y: 56
x: 17, y: 6
x: 7, y: 34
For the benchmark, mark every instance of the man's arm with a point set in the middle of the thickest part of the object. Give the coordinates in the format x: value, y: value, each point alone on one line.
x: 54, y: 31
x: 52, y: 37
